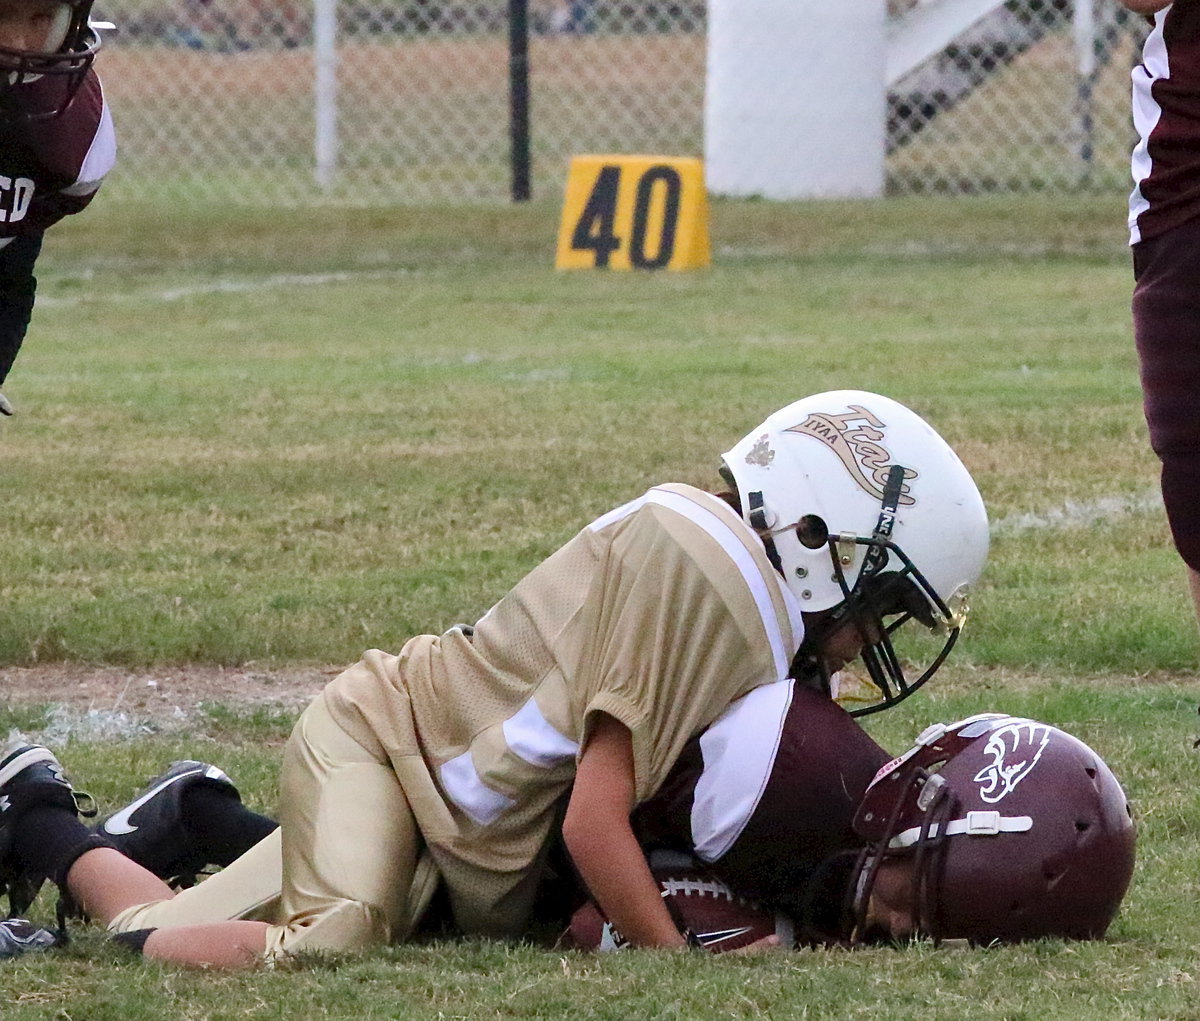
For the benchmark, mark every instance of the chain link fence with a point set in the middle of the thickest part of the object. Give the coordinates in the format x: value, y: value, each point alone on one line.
x: 1022, y: 101
x: 216, y: 99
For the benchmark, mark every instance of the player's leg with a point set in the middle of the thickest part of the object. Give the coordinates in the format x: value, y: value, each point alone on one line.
x: 42, y: 837
x: 106, y: 884
x: 343, y: 871
x: 188, y: 817
x: 350, y: 843
x: 1194, y: 585
x: 1166, y: 318
x: 247, y: 890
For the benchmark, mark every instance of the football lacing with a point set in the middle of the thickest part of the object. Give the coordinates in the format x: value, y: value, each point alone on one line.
x: 697, y: 887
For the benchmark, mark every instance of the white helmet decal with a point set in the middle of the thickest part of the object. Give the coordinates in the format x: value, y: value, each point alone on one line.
x: 1015, y: 749
x: 856, y: 438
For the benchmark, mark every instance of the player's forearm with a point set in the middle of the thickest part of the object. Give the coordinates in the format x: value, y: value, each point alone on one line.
x: 615, y: 872
x: 600, y: 840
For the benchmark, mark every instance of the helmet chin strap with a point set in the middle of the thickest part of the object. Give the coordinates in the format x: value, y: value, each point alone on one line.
x: 926, y: 846
x: 758, y: 521
x: 877, y: 556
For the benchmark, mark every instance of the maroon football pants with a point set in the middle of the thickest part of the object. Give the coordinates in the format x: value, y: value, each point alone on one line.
x: 1166, y: 326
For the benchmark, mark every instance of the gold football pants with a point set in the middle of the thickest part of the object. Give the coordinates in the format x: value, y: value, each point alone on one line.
x: 343, y: 872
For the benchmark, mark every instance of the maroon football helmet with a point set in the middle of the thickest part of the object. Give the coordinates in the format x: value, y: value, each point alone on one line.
x: 1022, y: 833
x: 41, y: 83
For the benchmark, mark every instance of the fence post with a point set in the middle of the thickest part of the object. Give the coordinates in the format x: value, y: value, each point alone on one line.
x: 325, y: 100
x: 518, y: 98
x: 1085, y: 54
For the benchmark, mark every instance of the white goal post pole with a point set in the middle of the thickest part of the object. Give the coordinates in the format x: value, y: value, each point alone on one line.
x: 325, y: 99
x: 795, y: 105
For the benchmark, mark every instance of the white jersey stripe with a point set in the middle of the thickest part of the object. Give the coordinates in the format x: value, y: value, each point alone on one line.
x: 532, y: 737
x: 746, y: 565
x: 529, y: 736
x: 616, y: 514
x: 1146, y: 113
x: 100, y: 158
x: 467, y: 790
x: 739, y: 752
x: 736, y: 551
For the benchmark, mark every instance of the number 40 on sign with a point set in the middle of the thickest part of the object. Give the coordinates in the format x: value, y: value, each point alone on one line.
x: 634, y: 212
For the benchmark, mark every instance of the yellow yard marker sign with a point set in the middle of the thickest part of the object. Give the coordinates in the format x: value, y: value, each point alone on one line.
x: 634, y: 212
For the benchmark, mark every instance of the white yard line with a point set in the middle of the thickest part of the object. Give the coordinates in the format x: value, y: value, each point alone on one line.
x: 114, y: 723
x: 243, y: 285
x: 1073, y: 513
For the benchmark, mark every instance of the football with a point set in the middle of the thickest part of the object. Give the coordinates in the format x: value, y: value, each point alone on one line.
x: 718, y: 917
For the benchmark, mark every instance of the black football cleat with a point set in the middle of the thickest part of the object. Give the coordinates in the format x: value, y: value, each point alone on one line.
x: 30, y: 775
x: 150, y: 828
x: 18, y: 936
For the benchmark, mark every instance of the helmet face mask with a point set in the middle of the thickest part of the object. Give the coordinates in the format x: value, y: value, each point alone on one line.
x: 848, y: 489
x: 877, y: 607
x: 37, y: 84
x: 1023, y: 833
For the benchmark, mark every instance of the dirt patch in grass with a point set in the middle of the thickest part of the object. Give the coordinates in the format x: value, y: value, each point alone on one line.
x: 98, y: 702
x: 161, y: 695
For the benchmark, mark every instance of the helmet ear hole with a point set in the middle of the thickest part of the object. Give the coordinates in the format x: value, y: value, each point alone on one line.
x: 812, y: 531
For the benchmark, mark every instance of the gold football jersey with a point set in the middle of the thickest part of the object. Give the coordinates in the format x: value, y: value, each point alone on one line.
x: 660, y: 613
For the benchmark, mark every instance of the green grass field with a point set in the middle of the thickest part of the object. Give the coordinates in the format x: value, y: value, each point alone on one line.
x: 283, y: 438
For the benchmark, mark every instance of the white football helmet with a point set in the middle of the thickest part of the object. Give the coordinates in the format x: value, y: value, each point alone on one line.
x: 869, y: 515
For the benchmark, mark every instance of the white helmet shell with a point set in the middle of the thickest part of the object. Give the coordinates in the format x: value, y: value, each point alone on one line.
x: 828, y: 457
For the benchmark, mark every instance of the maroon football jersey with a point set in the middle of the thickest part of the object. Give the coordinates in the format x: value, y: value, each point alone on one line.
x: 51, y: 168
x: 767, y: 793
x: 1166, y: 114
